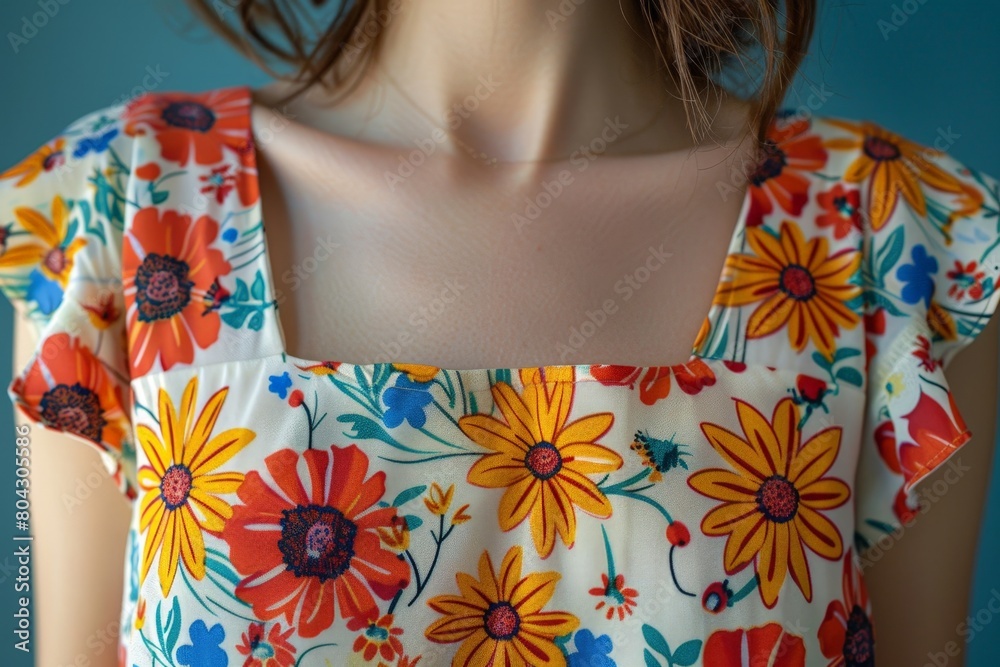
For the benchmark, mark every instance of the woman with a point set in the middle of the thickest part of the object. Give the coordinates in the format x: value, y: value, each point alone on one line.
x: 670, y: 400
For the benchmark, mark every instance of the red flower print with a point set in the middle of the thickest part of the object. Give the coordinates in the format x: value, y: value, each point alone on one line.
x: 220, y: 181
x: 924, y: 353
x: 270, y: 651
x: 935, y: 436
x: 717, y: 597
x: 380, y: 637
x: 653, y: 385
x: 885, y: 440
x: 789, y: 153
x: 654, y: 381
x: 167, y: 280
x: 693, y: 375
x: 148, y: 172
x: 192, y: 126
x: 810, y: 389
x: 735, y: 366
x: 841, y: 210
x: 874, y: 329
x: 846, y: 634
x: 901, y: 508
x: 769, y: 645
x: 678, y: 534
x: 309, y: 545
x: 615, y: 596
x: 966, y: 277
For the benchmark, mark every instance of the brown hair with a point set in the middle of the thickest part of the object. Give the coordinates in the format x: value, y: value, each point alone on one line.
x: 696, y: 40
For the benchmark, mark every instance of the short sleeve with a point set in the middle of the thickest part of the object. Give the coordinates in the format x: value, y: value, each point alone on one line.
x: 930, y: 273
x: 61, y: 220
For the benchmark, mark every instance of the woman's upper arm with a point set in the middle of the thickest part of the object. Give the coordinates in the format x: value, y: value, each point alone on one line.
x: 80, y: 522
x: 920, y: 580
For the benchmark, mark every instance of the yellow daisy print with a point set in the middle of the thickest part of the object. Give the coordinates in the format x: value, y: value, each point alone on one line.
x: 896, y: 167
x: 801, y: 285
x: 45, y: 158
x: 541, y: 460
x: 773, y: 499
x: 499, y: 618
x: 50, y: 249
x: 181, y: 493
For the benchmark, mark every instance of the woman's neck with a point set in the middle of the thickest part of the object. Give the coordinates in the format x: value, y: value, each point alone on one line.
x: 519, y: 80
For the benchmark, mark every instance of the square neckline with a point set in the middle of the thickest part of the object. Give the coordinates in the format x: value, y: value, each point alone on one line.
x: 581, y: 371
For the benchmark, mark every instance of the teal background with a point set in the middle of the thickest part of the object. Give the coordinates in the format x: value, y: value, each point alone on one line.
x: 939, y: 69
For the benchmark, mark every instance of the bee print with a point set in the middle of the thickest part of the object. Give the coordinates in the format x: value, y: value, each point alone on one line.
x: 660, y: 455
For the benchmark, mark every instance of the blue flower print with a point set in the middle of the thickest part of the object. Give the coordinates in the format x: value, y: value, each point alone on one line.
x: 204, y: 649
x: 918, y: 277
x: 97, y: 144
x: 406, y: 400
x: 280, y: 384
x: 230, y: 235
x: 591, y: 651
x: 48, y: 294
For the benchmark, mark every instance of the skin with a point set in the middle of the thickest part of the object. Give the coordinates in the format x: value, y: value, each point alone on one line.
x: 323, y: 174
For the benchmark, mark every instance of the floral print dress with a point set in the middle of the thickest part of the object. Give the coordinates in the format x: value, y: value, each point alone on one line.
x: 295, y: 512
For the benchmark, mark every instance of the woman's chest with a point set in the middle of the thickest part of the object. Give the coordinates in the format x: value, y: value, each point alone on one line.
x: 465, y: 275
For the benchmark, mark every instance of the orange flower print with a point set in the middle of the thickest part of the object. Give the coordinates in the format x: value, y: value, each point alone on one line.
x: 270, y: 649
x: 169, y: 267
x: 67, y: 388
x: 769, y: 645
x: 308, y: 546
x: 46, y: 158
x: 499, y: 619
x: 179, y: 483
x: 894, y: 167
x: 773, y: 498
x: 192, y: 126
x: 380, y: 637
x: 789, y: 153
x: 846, y: 635
x: 53, y: 246
x: 541, y: 460
x: 800, y: 285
